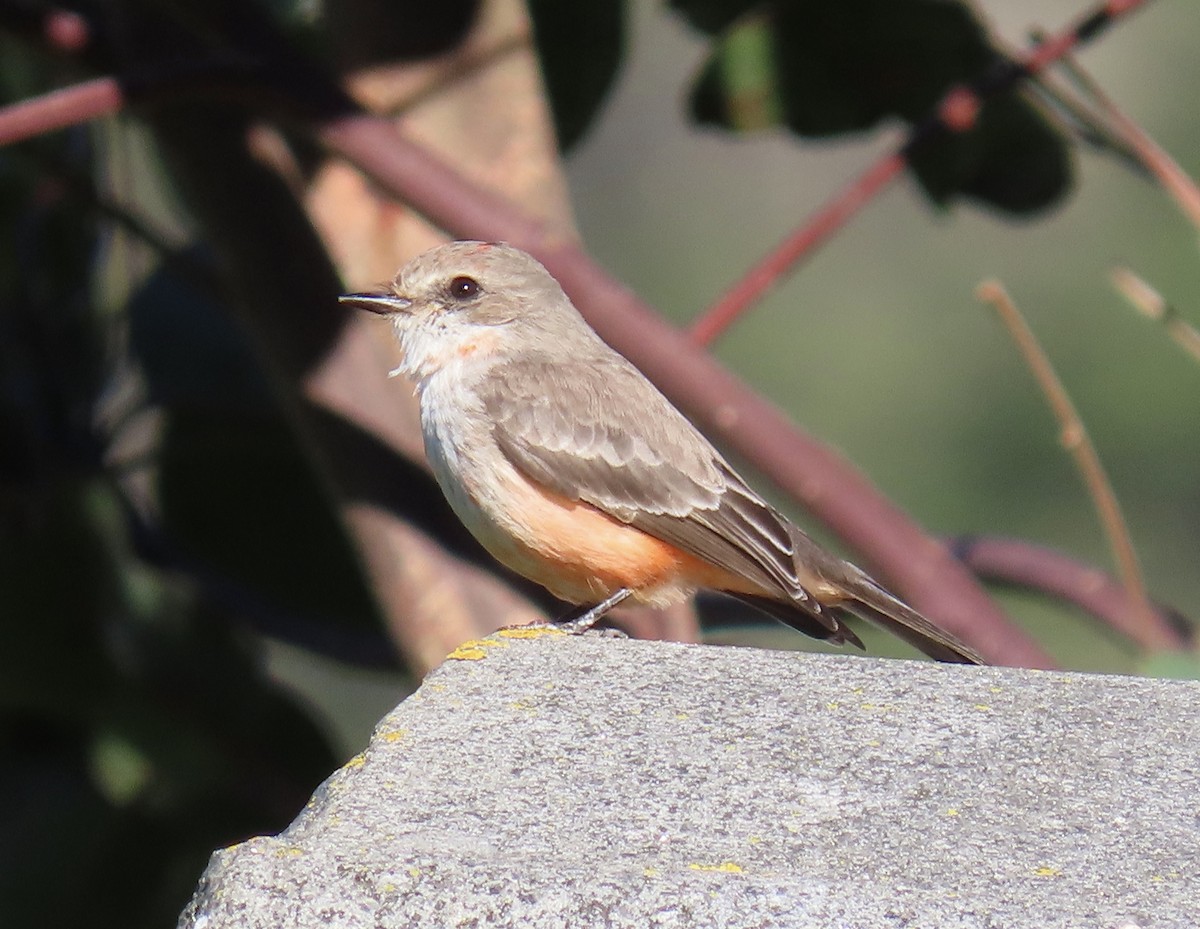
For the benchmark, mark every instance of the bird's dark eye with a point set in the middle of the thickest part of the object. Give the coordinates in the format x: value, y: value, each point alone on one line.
x: 464, y: 288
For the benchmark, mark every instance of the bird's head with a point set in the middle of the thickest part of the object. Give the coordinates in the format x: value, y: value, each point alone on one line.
x: 472, y: 300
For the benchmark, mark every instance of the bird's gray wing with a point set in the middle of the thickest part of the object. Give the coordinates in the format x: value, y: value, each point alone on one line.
x: 599, y: 432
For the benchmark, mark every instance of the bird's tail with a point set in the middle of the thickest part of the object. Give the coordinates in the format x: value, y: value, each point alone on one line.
x: 827, y: 588
x: 876, y: 605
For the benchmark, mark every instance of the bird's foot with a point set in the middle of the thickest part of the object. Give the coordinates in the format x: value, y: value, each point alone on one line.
x: 581, y: 619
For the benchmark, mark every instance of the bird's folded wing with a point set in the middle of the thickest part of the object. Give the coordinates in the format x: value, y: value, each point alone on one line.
x: 641, y: 462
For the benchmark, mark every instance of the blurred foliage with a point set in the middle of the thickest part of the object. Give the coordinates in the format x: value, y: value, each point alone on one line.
x: 158, y: 513
x: 837, y: 68
x: 161, y: 512
x: 830, y: 69
x: 136, y: 727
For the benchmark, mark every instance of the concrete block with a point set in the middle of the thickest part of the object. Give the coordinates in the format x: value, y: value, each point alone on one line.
x: 549, y: 781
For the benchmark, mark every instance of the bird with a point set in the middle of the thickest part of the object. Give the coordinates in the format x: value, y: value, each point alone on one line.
x: 571, y: 468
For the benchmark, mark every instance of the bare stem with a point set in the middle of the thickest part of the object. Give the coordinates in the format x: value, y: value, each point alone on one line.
x: 1150, y: 303
x: 1076, y: 441
x: 1165, y: 169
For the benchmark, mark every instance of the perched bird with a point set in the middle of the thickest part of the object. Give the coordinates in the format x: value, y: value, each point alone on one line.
x: 572, y: 469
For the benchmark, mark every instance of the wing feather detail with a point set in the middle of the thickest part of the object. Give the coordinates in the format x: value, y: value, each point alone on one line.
x: 560, y: 424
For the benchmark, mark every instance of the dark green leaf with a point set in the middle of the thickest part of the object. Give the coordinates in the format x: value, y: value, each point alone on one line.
x: 580, y: 47
x: 1012, y: 159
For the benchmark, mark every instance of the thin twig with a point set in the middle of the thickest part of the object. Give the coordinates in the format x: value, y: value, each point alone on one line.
x: 1150, y: 303
x: 956, y: 112
x: 1076, y: 441
x: 819, y: 228
x: 1174, y: 180
x: 1078, y: 116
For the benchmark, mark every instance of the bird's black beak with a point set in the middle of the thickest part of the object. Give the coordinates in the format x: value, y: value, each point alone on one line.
x: 383, y: 304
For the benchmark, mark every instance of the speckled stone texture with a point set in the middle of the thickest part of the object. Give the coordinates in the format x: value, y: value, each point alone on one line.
x: 555, y: 781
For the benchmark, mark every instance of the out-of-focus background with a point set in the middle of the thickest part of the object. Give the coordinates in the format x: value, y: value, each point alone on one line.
x: 188, y: 641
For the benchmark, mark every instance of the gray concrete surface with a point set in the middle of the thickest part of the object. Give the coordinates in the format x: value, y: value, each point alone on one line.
x: 564, y: 781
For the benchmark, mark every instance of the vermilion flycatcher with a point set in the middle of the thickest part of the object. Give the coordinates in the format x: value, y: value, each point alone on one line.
x: 572, y: 469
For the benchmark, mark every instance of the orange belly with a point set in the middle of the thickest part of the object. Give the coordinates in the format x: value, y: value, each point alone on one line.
x: 582, y: 555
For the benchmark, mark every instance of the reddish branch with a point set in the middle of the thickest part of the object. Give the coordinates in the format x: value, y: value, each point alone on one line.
x: 956, y: 112
x: 1021, y: 564
x: 820, y: 228
x: 60, y: 109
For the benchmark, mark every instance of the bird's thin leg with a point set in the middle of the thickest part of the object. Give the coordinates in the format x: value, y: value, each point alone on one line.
x: 575, y: 622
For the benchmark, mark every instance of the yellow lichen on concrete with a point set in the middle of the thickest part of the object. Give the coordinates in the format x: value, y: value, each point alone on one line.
x: 727, y: 867
x: 394, y: 735
x: 530, y: 632
x: 475, y: 649
x: 471, y: 650
x: 1047, y: 872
